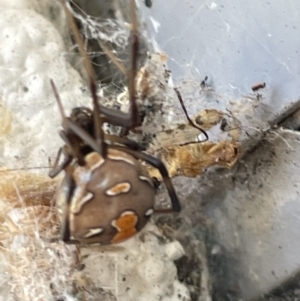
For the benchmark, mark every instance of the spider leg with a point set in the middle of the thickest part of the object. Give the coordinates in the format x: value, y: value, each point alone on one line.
x: 132, y: 73
x: 125, y: 141
x: 65, y: 229
x: 112, y: 57
x: 98, y: 122
x: 89, y: 140
x: 71, y: 144
x: 187, y: 116
x: 57, y: 158
x: 131, y: 119
x: 97, y: 144
x: 115, y: 117
x: 56, y: 169
x: 176, y: 207
x: 84, y: 135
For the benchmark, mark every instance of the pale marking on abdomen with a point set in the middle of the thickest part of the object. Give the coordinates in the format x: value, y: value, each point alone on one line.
x: 143, y: 178
x: 94, y: 160
x: 77, y: 204
x: 149, y: 212
x: 118, y: 189
x: 119, y: 158
x: 92, y: 232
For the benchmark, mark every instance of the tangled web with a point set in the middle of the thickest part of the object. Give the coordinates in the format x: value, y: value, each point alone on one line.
x: 106, y: 30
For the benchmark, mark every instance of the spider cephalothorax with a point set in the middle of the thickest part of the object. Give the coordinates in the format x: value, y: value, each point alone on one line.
x: 107, y: 195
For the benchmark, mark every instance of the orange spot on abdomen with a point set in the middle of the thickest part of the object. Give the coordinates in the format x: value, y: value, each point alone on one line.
x: 126, y: 226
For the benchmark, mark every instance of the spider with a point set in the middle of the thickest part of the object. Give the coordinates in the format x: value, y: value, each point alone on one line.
x: 106, y: 195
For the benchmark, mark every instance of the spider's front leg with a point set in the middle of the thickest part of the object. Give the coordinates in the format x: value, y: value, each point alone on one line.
x: 70, y: 151
x: 57, y: 168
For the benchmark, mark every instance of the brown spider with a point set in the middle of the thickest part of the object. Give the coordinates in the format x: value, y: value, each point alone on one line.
x: 106, y: 195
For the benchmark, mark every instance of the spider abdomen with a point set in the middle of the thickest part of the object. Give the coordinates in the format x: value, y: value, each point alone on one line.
x: 112, y: 199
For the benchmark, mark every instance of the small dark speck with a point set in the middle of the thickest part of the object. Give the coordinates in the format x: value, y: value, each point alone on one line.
x: 25, y: 89
x: 80, y: 267
x: 124, y: 279
x: 148, y: 3
x: 198, y: 120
